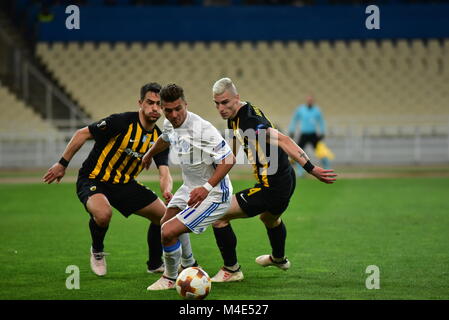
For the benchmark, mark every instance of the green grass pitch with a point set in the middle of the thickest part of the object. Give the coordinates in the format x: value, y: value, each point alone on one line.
x: 334, y: 233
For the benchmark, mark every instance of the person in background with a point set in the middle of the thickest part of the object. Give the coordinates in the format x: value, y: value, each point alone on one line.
x: 312, y: 128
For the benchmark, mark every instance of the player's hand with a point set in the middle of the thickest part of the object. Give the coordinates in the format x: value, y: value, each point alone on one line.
x: 324, y: 175
x: 56, y: 172
x: 167, y: 195
x: 197, y: 196
x: 146, y: 160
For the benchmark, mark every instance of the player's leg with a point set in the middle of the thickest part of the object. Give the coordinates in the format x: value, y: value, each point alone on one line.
x: 134, y: 197
x: 101, y: 212
x: 227, y: 243
x: 172, y: 253
x: 154, y: 212
x: 225, y: 236
x: 187, y: 258
x: 177, y: 203
x: 277, y: 234
x: 276, y: 230
x: 95, y: 198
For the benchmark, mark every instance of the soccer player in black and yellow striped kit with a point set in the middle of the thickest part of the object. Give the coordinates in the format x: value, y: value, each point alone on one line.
x: 107, y: 177
x: 268, y: 151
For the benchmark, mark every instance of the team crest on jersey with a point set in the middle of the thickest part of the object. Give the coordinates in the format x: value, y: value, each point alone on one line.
x: 93, y: 188
x: 144, y: 138
x: 184, y: 146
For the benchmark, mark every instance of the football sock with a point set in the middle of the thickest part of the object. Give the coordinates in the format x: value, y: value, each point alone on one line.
x: 277, y: 236
x: 154, y: 247
x: 233, y: 268
x: 227, y: 243
x: 172, y: 257
x: 187, y: 258
x: 97, y: 233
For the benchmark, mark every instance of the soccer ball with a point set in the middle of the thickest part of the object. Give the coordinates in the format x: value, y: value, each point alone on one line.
x: 193, y: 283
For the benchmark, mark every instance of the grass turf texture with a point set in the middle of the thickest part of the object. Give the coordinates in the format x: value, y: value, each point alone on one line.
x: 334, y: 233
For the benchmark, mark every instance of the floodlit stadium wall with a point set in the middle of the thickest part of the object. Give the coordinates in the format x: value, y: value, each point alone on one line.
x: 250, y: 23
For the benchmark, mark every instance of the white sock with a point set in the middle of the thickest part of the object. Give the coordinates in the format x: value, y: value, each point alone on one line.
x: 187, y: 254
x: 172, y: 257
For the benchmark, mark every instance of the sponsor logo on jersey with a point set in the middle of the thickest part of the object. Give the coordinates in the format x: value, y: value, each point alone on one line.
x: 134, y: 154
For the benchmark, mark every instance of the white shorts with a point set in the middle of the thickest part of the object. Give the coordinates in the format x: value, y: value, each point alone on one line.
x: 197, y: 219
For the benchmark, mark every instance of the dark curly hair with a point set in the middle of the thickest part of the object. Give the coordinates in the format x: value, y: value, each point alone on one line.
x: 172, y: 92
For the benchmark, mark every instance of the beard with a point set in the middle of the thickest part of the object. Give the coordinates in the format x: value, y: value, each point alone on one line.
x: 151, y: 118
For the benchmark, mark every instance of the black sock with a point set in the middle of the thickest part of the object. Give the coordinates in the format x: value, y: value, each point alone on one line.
x: 154, y: 247
x: 277, y: 236
x: 227, y: 243
x: 98, y: 233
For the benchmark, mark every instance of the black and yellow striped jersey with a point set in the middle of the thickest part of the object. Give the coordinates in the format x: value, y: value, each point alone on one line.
x: 258, y: 150
x: 120, y: 143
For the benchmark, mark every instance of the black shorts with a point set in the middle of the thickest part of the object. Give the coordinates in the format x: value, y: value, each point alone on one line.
x: 256, y: 200
x: 126, y: 198
x: 307, y: 138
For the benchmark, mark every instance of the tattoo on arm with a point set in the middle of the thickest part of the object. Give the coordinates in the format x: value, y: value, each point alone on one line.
x: 302, y: 154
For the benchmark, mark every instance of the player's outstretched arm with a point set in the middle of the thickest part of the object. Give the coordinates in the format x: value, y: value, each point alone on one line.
x: 57, y: 171
x: 296, y: 153
x: 158, y: 147
x: 199, y: 194
x: 166, y: 183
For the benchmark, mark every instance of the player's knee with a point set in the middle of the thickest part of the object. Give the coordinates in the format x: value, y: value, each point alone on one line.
x: 167, y: 234
x: 269, y: 220
x: 164, y: 219
x: 103, y: 216
x: 220, y: 224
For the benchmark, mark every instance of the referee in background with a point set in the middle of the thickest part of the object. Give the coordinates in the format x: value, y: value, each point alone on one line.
x: 312, y: 128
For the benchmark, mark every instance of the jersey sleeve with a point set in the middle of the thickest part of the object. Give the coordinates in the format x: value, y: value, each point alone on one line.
x: 257, y: 124
x: 161, y: 159
x: 107, y: 128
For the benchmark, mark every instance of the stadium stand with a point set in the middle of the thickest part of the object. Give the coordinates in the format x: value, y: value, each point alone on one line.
x: 360, y: 79
x: 383, y: 90
x: 19, y: 118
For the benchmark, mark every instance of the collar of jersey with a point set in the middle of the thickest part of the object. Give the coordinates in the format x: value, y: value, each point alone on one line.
x: 145, y: 131
x: 245, y: 103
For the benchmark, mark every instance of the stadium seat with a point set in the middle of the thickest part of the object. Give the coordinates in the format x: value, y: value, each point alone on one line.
x: 18, y: 117
x: 353, y: 78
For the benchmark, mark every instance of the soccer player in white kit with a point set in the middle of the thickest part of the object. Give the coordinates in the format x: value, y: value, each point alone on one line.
x: 205, y: 195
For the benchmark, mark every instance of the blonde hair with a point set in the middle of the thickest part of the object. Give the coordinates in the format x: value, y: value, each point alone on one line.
x: 222, y: 85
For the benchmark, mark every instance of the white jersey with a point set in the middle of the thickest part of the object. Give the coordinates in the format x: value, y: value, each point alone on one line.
x: 199, y: 147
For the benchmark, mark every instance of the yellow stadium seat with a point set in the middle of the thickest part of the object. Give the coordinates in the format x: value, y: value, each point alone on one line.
x: 349, y: 78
